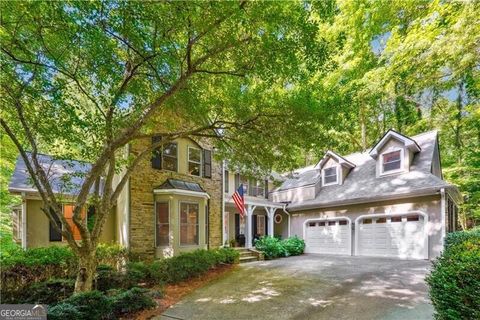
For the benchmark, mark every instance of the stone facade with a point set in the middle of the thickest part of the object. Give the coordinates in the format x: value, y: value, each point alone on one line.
x: 145, y: 179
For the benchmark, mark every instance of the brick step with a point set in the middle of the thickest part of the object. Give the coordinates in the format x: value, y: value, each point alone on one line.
x: 246, y: 253
x: 250, y: 258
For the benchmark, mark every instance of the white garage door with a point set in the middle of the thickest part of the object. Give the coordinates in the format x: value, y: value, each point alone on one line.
x: 396, y: 236
x: 328, y: 236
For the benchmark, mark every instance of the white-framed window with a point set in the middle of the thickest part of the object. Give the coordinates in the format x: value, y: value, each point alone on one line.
x: 189, y: 220
x: 194, y: 161
x: 330, y: 176
x: 162, y: 217
x: 391, y: 161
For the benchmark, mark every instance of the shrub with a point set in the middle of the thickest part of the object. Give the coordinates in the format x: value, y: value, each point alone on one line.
x: 108, y: 278
x: 271, y: 247
x: 90, y: 305
x: 455, y: 278
x: 294, y: 246
x: 132, y: 300
x: 63, y: 311
x: 20, y: 267
x: 47, y: 292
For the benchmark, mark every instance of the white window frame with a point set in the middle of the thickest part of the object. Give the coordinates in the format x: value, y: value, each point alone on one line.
x: 261, y: 217
x: 402, y: 159
x: 199, y: 163
x: 323, y: 176
x: 180, y: 224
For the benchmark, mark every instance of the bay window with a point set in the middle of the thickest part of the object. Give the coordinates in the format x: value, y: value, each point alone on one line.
x: 162, y: 224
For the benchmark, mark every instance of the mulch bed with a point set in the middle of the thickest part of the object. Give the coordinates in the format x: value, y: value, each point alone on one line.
x: 174, y: 292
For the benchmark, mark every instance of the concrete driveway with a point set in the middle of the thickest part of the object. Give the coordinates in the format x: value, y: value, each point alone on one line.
x: 313, y: 287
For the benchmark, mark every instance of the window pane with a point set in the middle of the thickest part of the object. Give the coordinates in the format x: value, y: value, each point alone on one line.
x: 170, y: 150
x: 330, y: 171
x: 188, y: 224
x: 170, y: 163
x: 194, y: 155
x: 163, y: 226
x: 391, y: 161
x: 194, y: 168
x: 330, y: 179
x: 330, y: 175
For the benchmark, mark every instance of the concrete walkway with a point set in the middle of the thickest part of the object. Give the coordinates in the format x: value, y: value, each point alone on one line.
x: 313, y: 287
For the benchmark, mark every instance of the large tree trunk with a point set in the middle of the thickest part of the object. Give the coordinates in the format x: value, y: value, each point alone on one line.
x: 87, y: 265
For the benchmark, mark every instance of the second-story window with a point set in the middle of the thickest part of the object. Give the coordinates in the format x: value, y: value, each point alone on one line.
x: 330, y: 176
x: 194, y: 161
x: 391, y: 161
x: 169, y: 157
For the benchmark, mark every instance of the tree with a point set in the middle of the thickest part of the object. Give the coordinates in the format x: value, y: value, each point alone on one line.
x: 81, y: 80
x: 408, y: 65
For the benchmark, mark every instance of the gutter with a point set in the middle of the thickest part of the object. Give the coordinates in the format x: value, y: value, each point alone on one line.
x: 412, y: 194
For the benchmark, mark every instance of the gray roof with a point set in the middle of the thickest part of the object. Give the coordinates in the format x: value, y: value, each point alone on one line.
x: 65, y: 176
x: 361, y: 184
x: 181, y: 185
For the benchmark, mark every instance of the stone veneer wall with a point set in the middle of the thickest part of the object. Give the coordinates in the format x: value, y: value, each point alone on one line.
x: 142, y: 218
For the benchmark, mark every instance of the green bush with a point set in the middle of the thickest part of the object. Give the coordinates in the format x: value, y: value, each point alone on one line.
x: 91, y: 305
x: 108, y: 278
x: 454, y: 281
x: 294, y: 246
x: 132, y: 300
x: 271, y: 247
x: 21, y: 268
x: 47, y: 292
x: 64, y: 311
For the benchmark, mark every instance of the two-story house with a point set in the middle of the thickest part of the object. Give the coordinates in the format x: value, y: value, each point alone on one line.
x: 388, y: 201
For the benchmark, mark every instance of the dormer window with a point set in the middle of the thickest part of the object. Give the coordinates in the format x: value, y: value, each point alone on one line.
x: 330, y: 176
x: 392, y: 161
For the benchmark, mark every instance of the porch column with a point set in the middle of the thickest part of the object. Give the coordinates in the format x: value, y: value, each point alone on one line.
x: 270, y: 214
x: 248, y: 225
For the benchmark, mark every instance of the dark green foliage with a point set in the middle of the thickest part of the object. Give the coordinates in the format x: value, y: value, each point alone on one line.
x: 455, y: 279
x: 294, y: 246
x: 63, y: 311
x: 108, y: 278
x: 47, y: 292
x: 91, y: 305
x: 132, y: 300
x: 273, y: 247
x: 21, y: 268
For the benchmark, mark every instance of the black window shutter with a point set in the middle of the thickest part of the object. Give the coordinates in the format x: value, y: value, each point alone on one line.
x: 266, y: 189
x: 237, y: 181
x: 54, y: 235
x: 157, y: 154
x: 207, y: 163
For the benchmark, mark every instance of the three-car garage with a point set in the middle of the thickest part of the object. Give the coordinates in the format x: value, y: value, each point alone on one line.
x: 400, y: 235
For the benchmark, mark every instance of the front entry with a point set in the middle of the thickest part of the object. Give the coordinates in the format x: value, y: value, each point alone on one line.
x: 259, y: 228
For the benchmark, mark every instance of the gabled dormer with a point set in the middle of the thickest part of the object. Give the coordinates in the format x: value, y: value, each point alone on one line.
x: 394, y: 153
x: 333, y: 168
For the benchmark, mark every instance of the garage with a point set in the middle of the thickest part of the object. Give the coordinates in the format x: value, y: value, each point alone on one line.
x: 400, y: 235
x: 328, y: 236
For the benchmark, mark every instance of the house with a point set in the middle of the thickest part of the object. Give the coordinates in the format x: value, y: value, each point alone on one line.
x: 388, y: 201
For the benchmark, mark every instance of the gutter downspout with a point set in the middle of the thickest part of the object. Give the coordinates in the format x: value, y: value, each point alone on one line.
x: 443, y: 213
x: 224, y: 234
x: 24, y: 221
x: 288, y: 214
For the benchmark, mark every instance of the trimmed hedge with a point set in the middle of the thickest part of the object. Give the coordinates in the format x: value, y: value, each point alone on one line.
x: 274, y: 248
x: 455, y: 278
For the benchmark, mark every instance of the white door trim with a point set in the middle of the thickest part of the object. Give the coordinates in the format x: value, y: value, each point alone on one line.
x: 397, y: 214
x: 330, y: 219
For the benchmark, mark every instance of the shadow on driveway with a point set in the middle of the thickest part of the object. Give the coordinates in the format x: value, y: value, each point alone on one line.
x: 313, y: 287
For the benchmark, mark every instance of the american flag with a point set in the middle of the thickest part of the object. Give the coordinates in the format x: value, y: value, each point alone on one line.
x: 239, y: 200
